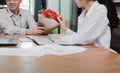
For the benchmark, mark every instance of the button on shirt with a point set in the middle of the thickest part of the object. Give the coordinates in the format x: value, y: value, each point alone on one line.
x: 92, y: 28
x: 16, y: 24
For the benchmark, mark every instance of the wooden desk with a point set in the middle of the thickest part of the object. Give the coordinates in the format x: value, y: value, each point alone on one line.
x: 94, y: 60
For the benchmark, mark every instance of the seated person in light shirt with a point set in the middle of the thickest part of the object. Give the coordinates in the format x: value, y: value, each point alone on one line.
x: 18, y: 21
x: 92, y: 25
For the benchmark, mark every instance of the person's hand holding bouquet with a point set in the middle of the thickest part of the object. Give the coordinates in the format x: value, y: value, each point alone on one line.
x: 48, y: 19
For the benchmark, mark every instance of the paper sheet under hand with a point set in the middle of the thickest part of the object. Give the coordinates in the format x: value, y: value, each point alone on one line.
x: 38, y: 51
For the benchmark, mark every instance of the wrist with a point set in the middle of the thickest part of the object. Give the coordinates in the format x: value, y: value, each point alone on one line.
x: 64, y: 28
x: 27, y: 32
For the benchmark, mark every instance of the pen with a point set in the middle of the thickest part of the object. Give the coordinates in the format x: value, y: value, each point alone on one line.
x: 51, y: 39
x: 33, y: 40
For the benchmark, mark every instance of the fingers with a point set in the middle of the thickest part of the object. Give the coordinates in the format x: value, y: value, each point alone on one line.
x: 60, y: 18
x: 40, y: 28
x: 40, y: 32
x: 36, y: 31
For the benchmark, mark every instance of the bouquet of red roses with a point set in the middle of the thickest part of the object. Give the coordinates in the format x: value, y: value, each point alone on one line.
x: 49, y: 14
x: 48, y: 19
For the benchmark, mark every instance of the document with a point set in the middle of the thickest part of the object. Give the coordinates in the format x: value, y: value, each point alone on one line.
x: 38, y: 51
x: 63, y: 50
x: 42, y: 40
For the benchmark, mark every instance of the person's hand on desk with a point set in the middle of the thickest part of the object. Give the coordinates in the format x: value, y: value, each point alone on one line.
x: 62, y: 22
x: 36, y: 31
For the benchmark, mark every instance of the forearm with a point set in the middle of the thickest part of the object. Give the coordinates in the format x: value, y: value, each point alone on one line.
x: 12, y: 30
x: 15, y: 30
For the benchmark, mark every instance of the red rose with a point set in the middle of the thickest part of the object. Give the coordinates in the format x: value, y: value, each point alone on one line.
x: 49, y: 14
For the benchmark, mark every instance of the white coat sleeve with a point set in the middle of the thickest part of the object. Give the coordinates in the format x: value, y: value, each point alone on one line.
x: 90, y: 30
x: 69, y: 31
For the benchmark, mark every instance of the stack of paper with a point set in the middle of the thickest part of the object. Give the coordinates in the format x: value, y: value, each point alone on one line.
x: 38, y: 51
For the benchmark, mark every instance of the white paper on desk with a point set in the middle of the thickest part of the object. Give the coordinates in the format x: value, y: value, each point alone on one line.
x: 42, y: 50
x: 21, y: 52
x: 62, y: 50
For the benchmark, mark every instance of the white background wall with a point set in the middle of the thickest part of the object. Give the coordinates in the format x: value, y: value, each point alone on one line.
x: 28, y: 5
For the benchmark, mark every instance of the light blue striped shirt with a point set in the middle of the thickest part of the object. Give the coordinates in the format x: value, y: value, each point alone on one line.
x: 16, y: 24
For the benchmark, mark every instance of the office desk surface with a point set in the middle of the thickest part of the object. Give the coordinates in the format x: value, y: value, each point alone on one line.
x: 94, y: 60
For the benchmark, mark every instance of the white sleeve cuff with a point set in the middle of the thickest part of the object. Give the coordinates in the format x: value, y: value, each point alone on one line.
x: 69, y: 31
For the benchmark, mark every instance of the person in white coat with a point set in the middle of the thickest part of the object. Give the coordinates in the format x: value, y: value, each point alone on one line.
x: 92, y: 25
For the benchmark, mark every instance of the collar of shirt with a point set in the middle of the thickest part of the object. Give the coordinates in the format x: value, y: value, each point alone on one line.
x: 11, y: 14
x: 90, y: 12
x: 92, y: 8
